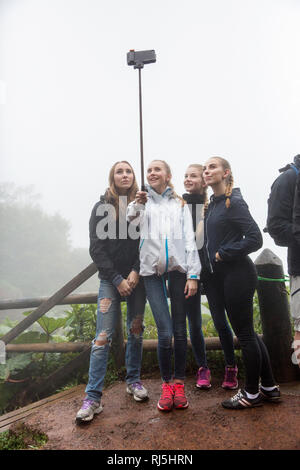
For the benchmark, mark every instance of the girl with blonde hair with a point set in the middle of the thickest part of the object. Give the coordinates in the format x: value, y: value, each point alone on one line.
x: 230, y: 278
x: 168, y: 252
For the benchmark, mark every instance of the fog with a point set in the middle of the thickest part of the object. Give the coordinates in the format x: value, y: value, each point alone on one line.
x: 226, y: 82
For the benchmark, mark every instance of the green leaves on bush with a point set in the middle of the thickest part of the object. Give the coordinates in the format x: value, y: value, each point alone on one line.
x: 13, y: 365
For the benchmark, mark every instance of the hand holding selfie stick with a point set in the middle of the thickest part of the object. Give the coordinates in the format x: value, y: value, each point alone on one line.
x: 138, y: 59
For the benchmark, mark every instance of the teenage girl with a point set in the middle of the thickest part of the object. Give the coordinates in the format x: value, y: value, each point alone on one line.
x: 196, y: 197
x: 167, y: 252
x: 117, y: 258
x: 230, y: 278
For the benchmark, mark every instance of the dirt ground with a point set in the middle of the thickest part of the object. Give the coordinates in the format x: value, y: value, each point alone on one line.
x: 125, y: 424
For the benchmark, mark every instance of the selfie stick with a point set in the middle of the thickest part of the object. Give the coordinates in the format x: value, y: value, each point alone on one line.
x: 138, y: 59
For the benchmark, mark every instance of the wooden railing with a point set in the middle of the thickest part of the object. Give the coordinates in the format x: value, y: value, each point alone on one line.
x: 274, y: 310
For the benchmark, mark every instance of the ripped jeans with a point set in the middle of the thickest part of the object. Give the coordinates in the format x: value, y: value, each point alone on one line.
x: 108, y: 312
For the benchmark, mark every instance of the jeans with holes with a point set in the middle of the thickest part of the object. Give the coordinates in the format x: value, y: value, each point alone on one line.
x: 107, y: 318
x: 169, y: 325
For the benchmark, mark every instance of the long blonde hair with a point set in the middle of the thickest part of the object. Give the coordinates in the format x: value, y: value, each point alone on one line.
x: 168, y: 170
x: 112, y: 194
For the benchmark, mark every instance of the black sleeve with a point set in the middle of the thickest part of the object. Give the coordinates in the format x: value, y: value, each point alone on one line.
x: 98, y: 249
x: 239, y: 216
x: 280, y: 208
x: 136, y: 265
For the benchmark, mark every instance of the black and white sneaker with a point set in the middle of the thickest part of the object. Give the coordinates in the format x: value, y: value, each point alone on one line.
x: 271, y: 395
x: 240, y: 401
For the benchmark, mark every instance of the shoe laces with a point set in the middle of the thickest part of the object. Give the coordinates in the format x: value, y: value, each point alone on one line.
x: 203, y: 373
x: 137, y: 385
x: 87, y: 403
x: 179, y: 389
x: 168, y: 390
x: 230, y: 374
x: 238, y: 396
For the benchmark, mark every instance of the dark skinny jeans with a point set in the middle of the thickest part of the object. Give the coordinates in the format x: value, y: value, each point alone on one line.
x: 231, y: 287
x: 169, y: 325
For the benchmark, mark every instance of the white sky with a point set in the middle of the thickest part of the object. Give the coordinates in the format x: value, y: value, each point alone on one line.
x: 226, y: 82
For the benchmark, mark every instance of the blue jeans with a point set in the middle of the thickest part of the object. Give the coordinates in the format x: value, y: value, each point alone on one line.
x: 108, y: 313
x: 193, y: 311
x: 167, y: 325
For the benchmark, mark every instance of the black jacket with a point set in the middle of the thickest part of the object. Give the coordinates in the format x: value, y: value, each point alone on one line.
x: 283, y: 207
x: 114, y: 257
x: 232, y: 232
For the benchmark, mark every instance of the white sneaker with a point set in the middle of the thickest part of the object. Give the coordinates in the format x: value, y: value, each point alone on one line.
x: 138, y: 391
x: 88, y: 409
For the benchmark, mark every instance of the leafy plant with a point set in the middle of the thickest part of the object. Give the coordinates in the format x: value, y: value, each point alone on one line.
x: 49, y: 324
x: 81, y: 322
x: 14, y: 364
x: 22, y: 437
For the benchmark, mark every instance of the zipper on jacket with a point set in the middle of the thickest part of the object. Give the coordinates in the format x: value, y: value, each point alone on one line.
x: 167, y: 255
x: 206, y: 245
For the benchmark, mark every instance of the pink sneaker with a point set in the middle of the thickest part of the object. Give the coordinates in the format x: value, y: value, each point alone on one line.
x: 230, y: 381
x: 203, y: 378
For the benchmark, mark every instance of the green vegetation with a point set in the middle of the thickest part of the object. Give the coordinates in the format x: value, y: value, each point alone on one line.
x: 20, y: 437
x: 78, y: 323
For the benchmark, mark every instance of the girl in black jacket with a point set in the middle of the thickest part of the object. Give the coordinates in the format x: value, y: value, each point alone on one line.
x: 229, y: 278
x: 116, y: 255
x: 195, y: 198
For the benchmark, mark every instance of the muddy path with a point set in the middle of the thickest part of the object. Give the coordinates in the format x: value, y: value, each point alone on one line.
x: 127, y: 425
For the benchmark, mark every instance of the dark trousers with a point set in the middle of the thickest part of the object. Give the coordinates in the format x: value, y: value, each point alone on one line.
x: 231, y: 288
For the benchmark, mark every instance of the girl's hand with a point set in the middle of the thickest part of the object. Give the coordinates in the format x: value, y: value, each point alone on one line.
x: 124, y: 288
x: 191, y: 288
x: 141, y: 197
x: 133, y: 279
x: 218, y: 257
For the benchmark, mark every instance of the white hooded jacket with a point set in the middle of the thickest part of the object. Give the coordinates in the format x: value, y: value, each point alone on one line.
x: 167, y: 235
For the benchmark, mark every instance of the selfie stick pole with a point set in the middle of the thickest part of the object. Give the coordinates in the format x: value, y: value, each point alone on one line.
x: 141, y: 130
x: 138, y: 59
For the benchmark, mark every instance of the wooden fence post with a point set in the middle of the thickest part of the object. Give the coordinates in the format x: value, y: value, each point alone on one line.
x: 274, y: 311
x: 118, y: 345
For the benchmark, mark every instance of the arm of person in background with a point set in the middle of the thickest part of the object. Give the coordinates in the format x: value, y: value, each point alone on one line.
x: 280, y: 208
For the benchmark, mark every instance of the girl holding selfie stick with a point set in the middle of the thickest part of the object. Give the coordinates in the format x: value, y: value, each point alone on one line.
x: 117, y: 260
x: 167, y: 252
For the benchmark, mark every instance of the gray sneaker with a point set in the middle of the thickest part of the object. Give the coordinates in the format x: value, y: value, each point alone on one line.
x: 138, y: 391
x: 88, y: 409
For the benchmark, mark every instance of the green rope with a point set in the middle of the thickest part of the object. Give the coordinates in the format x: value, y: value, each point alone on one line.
x: 285, y: 279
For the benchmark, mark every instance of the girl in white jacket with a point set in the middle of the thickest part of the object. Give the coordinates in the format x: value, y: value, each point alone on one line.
x: 167, y: 252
